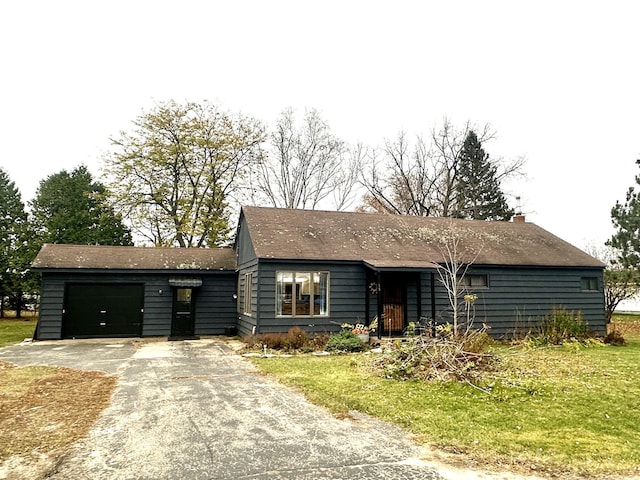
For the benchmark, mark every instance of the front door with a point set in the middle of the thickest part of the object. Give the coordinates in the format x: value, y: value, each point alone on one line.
x: 394, y: 299
x: 182, y: 324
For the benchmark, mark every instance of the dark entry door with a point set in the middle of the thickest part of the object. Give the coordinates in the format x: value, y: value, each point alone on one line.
x: 394, y: 299
x: 103, y: 310
x: 183, y: 321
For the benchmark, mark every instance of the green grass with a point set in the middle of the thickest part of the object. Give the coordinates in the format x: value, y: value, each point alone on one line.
x: 571, y: 409
x: 16, y: 330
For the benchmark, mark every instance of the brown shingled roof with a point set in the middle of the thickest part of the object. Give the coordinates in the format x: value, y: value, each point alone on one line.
x: 134, y: 258
x: 399, y: 240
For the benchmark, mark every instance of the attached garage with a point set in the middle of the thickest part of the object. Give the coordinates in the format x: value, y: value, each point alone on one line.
x: 103, y: 292
x: 103, y: 310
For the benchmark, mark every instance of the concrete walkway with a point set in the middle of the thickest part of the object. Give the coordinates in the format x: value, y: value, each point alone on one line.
x: 195, y: 410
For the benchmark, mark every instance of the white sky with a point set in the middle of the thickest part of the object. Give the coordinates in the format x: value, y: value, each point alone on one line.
x: 558, y: 81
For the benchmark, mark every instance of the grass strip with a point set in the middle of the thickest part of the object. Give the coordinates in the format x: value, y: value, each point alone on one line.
x: 16, y: 330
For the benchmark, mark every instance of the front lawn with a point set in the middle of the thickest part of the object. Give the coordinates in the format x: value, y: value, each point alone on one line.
x: 16, y: 330
x: 551, y: 410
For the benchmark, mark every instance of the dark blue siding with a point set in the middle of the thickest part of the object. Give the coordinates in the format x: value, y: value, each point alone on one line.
x: 215, y: 307
x: 243, y: 244
x: 347, y: 284
x: 519, y: 297
x: 246, y: 323
x: 51, y: 304
x: 516, y: 297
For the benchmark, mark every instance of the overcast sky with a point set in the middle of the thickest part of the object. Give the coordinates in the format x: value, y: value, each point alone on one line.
x: 557, y: 80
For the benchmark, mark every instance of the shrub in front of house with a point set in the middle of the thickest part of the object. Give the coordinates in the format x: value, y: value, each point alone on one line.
x: 560, y: 326
x: 344, y: 341
x: 295, y: 340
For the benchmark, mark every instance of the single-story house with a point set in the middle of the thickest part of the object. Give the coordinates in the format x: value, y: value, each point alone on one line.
x: 317, y: 270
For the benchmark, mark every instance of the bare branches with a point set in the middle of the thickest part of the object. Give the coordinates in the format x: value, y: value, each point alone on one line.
x: 420, y: 177
x: 307, y: 164
x: 452, y: 269
x: 620, y: 282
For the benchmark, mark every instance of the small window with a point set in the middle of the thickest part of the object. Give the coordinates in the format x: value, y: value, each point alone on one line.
x: 302, y: 294
x: 248, y: 288
x: 474, y: 281
x: 589, y: 284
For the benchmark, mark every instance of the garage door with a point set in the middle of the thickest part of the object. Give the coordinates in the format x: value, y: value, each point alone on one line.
x: 103, y: 310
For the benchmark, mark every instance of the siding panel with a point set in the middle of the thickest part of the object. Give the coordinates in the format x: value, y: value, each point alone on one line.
x: 346, y: 297
x: 215, y: 307
x: 518, y: 298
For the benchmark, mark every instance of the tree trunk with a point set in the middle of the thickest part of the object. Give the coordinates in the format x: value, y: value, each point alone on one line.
x: 18, y: 300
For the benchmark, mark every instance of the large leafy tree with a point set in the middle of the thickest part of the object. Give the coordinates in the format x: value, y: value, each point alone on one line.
x: 478, y: 193
x: 16, y: 250
x: 70, y: 207
x: 174, y: 174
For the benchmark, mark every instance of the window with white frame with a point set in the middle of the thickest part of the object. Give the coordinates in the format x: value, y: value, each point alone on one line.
x: 302, y: 294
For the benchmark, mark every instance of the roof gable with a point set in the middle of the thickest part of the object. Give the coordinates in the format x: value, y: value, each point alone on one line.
x: 401, y: 240
x: 54, y: 256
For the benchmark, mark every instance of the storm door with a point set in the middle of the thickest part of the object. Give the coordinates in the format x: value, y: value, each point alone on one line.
x: 183, y: 321
x: 394, y: 301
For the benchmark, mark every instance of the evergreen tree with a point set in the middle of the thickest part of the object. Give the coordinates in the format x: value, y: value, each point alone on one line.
x: 16, y: 252
x: 626, y: 220
x: 70, y: 208
x: 478, y: 193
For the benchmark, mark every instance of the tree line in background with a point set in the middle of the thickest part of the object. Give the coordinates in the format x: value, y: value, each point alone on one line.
x: 177, y: 177
x: 69, y: 207
x: 180, y: 173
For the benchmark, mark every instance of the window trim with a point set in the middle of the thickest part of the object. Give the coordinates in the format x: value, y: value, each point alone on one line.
x: 247, y: 294
x: 468, y: 276
x: 301, y: 273
x: 586, y: 284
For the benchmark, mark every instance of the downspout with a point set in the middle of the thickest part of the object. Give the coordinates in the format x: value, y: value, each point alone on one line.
x: 257, y: 309
x: 380, y: 306
x: 367, y: 298
x: 419, y: 294
x: 433, y: 303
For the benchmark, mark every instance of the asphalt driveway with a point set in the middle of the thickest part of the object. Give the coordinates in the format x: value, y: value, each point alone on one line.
x: 196, y: 410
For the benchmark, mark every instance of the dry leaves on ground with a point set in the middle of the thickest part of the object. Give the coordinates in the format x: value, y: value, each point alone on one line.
x: 43, y: 410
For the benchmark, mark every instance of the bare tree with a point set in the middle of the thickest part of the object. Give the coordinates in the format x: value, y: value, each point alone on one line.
x: 457, y: 258
x: 620, y: 282
x: 421, y: 179
x: 399, y: 180
x: 307, y: 164
x: 347, y: 176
